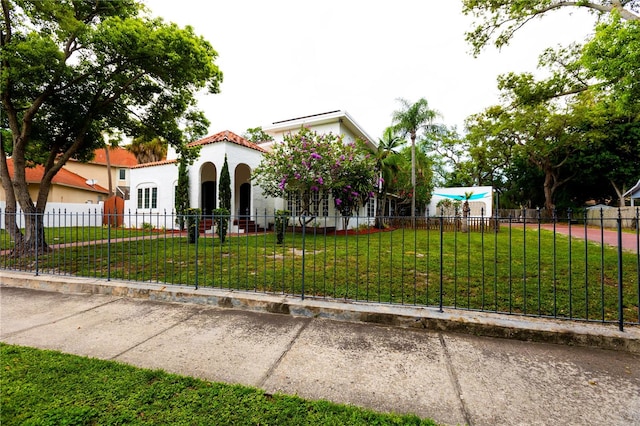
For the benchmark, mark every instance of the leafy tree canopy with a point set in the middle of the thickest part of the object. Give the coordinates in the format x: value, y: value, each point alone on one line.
x: 498, y: 20
x: 257, y: 135
x: 72, y: 70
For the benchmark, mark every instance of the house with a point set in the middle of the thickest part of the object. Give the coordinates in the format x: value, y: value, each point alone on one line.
x: 66, y: 187
x: 96, y: 170
x: 153, y: 184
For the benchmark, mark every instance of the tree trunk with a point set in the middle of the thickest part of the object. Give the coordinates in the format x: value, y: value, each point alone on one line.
x: 33, y: 239
x: 109, y: 180
x: 465, y: 217
x: 621, y: 202
x: 549, y: 190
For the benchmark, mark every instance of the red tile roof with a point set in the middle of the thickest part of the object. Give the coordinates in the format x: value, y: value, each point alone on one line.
x: 227, y: 136
x: 154, y: 163
x: 118, y: 157
x: 63, y: 178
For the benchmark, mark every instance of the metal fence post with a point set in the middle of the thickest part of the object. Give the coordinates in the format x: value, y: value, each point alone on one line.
x: 37, y: 242
x: 304, y: 232
x: 441, y: 258
x: 197, y: 222
x: 620, y: 296
x: 109, y: 247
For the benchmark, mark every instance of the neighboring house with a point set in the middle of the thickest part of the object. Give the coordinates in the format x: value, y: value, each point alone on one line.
x: 153, y: 184
x: 480, y: 199
x: 96, y: 170
x: 633, y: 193
x: 66, y: 186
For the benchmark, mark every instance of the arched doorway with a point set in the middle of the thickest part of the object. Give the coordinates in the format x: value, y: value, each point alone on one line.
x: 208, y: 192
x: 242, y: 189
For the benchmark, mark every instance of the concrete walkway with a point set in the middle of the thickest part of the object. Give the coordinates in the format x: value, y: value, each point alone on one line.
x: 336, y: 351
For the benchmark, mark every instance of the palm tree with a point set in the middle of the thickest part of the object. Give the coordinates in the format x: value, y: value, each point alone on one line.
x: 148, y: 151
x: 386, y: 167
x: 409, y: 120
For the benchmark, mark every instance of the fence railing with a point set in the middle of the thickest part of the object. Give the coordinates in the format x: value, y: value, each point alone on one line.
x: 566, y: 268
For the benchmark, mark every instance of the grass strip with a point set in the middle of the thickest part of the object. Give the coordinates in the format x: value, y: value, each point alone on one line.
x: 42, y: 387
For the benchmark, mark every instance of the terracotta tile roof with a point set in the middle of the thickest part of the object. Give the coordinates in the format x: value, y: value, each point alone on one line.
x: 227, y: 136
x: 154, y: 163
x: 119, y: 157
x: 63, y: 178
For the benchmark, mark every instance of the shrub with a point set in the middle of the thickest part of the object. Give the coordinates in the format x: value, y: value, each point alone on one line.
x: 281, y: 223
x: 221, y: 220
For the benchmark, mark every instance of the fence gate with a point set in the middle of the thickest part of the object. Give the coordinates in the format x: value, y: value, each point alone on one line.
x: 113, y: 211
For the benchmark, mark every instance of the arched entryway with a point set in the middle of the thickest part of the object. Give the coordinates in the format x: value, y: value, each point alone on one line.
x: 243, y: 190
x: 208, y: 188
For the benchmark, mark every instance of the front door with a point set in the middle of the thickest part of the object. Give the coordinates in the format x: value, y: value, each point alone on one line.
x: 208, y: 197
x: 245, y: 199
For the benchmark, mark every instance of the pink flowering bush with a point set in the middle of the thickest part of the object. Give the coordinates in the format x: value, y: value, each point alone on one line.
x: 309, y: 162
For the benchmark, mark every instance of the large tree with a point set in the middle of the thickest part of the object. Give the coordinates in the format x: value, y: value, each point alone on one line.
x: 73, y: 69
x: 411, y: 119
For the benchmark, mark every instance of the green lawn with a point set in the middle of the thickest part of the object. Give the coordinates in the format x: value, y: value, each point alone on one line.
x: 50, y: 388
x: 512, y: 271
x: 79, y: 234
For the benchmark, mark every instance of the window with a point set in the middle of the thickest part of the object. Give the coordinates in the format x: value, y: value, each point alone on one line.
x: 148, y: 197
x: 123, y: 174
x: 371, y: 203
x: 325, y: 203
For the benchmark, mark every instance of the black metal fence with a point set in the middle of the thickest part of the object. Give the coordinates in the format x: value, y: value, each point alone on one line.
x: 560, y: 267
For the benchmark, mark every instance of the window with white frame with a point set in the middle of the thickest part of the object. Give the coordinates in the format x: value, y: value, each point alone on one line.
x: 122, y: 174
x: 148, y: 197
x: 371, y: 207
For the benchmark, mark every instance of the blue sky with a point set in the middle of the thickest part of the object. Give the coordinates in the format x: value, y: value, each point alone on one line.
x: 284, y: 58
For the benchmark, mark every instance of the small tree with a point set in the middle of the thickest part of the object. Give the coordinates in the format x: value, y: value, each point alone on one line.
x: 182, y: 193
x: 221, y: 221
x: 187, y: 155
x: 281, y: 223
x: 466, y: 211
x: 299, y: 166
x: 224, y: 188
x: 353, y: 179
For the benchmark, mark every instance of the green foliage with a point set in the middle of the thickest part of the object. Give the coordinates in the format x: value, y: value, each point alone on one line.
x: 281, y: 222
x: 182, y: 193
x: 307, y: 162
x: 192, y: 218
x: 410, y: 120
x: 51, y: 388
x: 148, y: 151
x: 613, y: 57
x: 224, y: 187
x: 498, y: 20
x: 257, y: 135
x: 221, y: 219
x: 72, y: 69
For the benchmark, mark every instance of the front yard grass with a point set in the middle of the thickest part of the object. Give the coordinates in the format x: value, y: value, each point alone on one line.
x: 514, y: 271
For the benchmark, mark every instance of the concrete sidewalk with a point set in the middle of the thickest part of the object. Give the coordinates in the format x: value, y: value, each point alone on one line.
x: 416, y: 368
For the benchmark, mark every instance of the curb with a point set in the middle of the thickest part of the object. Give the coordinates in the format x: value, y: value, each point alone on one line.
x: 572, y: 333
